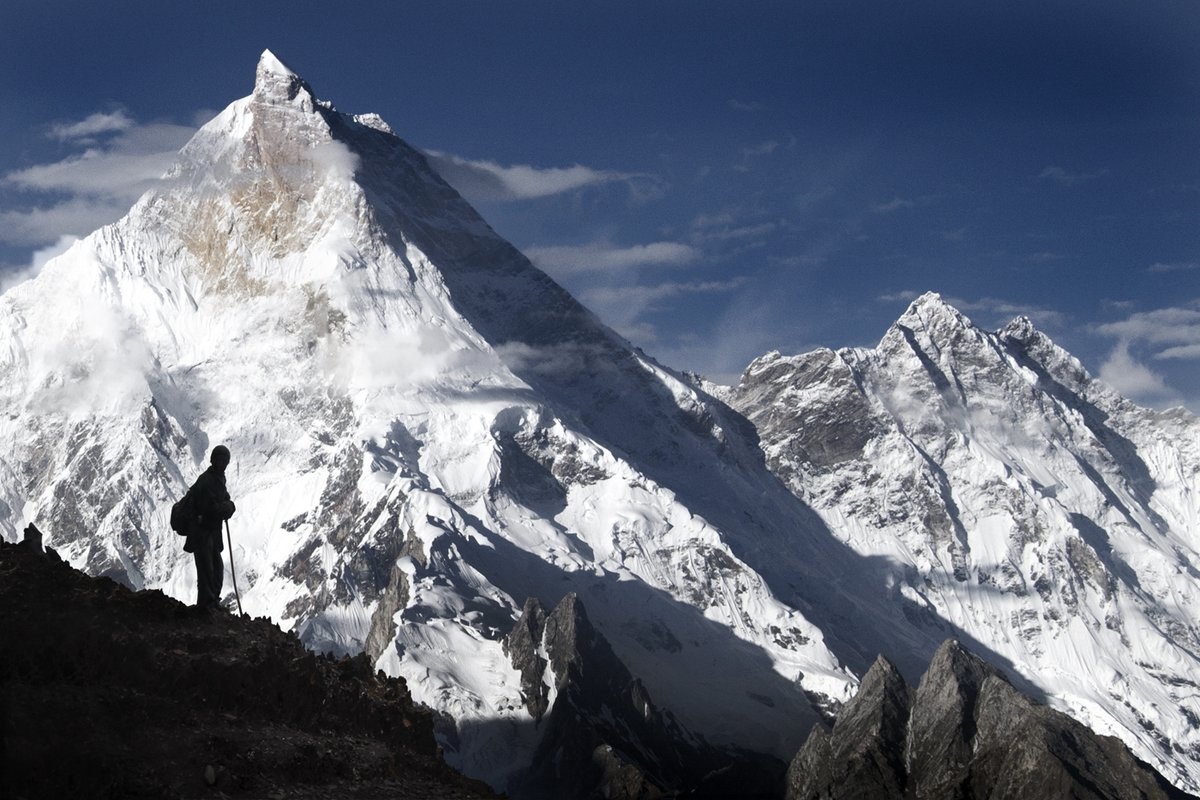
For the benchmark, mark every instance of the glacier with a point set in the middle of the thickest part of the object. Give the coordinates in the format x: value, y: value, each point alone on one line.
x: 427, y: 430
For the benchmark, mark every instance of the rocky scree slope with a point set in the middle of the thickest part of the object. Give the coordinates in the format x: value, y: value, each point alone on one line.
x: 964, y: 733
x: 1004, y: 497
x: 114, y: 693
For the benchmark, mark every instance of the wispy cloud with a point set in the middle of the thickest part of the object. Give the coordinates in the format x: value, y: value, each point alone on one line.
x: 895, y: 204
x: 905, y: 296
x: 739, y: 105
x: 11, y: 277
x: 753, y: 153
x: 77, y: 194
x: 764, y: 149
x: 74, y: 217
x: 604, y: 257
x: 488, y: 180
x: 625, y: 307
x: 725, y: 226
x: 1065, y: 178
x: 1174, y: 332
x: 643, y: 296
x: 1133, y: 379
x: 1177, y: 266
x: 998, y: 311
x: 92, y: 125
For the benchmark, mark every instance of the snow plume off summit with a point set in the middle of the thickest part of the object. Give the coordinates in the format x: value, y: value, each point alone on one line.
x: 428, y: 431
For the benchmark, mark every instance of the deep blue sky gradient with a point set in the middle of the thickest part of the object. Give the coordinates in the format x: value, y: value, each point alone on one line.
x: 819, y: 162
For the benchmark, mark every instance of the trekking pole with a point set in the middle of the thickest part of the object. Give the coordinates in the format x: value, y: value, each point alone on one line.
x: 229, y: 538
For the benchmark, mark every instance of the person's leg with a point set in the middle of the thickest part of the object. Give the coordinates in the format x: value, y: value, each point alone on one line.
x: 204, y: 564
x: 218, y: 572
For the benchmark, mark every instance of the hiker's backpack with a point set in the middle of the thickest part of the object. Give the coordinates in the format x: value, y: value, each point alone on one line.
x: 184, y: 515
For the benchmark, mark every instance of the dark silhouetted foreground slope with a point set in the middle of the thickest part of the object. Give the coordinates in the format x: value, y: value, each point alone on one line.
x: 112, y: 693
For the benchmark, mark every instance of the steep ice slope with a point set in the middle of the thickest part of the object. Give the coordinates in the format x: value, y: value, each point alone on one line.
x: 1017, y: 502
x: 426, y: 430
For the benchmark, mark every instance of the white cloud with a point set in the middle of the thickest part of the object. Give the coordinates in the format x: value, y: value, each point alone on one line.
x: 728, y: 232
x: 624, y: 307
x: 646, y: 296
x: 1133, y: 379
x: 1065, y: 178
x: 335, y: 158
x: 96, y: 173
x: 487, y: 180
x: 1182, y: 351
x: 1000, y: 311
x: 1178, y: 266
x: 92, y: 125
x: 99, y: 365
x: 39, y: 259
x: 94, y: 187
x: 1178, y: 328
x: 753, y: 152
x: 738, y: 105
x: 895, y: 204
x: 764, y: 149
x: 905, y: 296
x: 602, y: 257
x: 75, y: 217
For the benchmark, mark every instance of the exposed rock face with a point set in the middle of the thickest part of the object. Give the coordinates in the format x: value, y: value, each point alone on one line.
x: 968, y: 734
x: 1003, y: 496
x: 865, y: 751
x: 602, y: 735
x: 113, y: 693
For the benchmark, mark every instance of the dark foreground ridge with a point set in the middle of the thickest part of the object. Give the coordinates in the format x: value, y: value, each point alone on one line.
x: 964, y: 733
x: 105, y: 692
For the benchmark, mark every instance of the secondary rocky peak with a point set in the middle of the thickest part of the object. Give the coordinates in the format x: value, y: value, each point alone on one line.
x: 954, y: 663
x: 275, y: 82
x: 884, y: 679
x: 1020, y: 329
x: 969, y: 734
x: 942, y: 727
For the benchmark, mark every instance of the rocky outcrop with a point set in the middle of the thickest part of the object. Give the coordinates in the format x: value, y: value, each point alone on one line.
x: 965, y: 733
x: 865, y: 748
x: 106, y: 692
x: 602, y: 735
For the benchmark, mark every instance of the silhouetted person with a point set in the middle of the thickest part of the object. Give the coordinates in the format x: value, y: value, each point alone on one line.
x: 212, y: 505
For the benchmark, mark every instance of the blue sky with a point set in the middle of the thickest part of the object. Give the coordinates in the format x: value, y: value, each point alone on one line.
x: 716, y: 180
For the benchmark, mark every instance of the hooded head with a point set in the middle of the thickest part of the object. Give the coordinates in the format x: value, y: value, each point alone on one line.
x: 220, y: 457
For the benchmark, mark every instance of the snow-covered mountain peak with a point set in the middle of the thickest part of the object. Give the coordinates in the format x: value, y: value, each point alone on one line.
x: 269, y: 63
x: 275, y: 82
x: 1020, y: 329
x: 930, y: 312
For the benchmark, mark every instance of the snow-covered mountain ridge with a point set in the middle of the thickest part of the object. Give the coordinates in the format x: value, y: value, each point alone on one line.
x: 1015, y: 498
x: 427, y: 430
